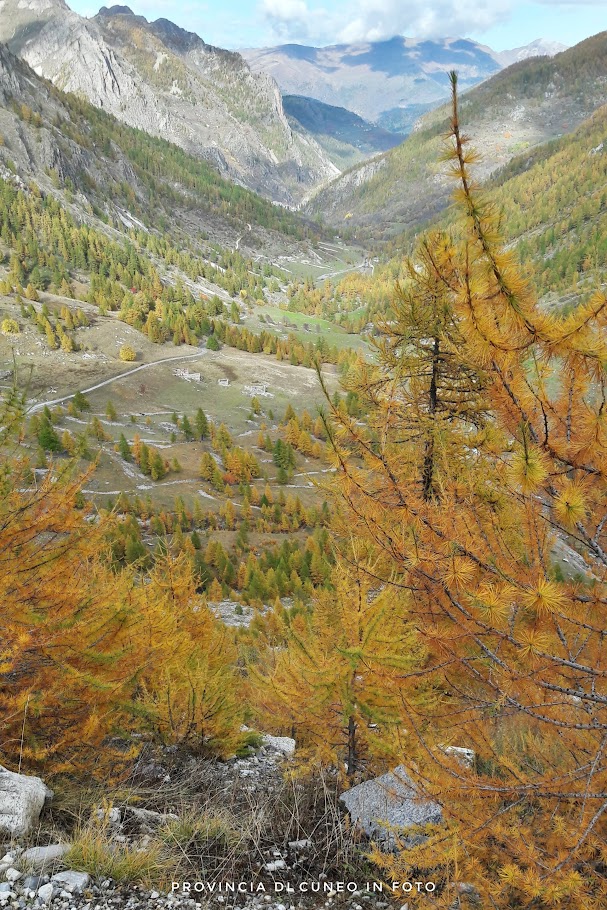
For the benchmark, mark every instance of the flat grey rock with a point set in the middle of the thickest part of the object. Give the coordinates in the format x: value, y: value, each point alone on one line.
x: 71, y: 881
x: 389, y: 801
x: 46, y: 892
x: 39, y: 857
x: 283, y: 744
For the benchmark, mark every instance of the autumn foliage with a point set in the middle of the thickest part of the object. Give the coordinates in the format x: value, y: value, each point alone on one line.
x: 88, y: 653
x: 479, y: 484
x: 335, y: 682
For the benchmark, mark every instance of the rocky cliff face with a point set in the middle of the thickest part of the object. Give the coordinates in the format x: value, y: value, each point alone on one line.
x: 9, y: 81
x: 168, y: 82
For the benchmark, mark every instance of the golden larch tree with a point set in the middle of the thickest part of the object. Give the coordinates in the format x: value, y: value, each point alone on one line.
x: 506, y: 571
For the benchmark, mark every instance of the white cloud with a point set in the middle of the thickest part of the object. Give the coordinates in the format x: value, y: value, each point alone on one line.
x: 374, y: 20
x: 287, y: 18
x: 285, y: 10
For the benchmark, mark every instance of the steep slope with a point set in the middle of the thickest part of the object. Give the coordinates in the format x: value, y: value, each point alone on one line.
x: 345, y: 136
x: 554, y: 208
x: 520, y: 108
x: 373, y: 78
x: 169, y: 83
x: 119, y: 179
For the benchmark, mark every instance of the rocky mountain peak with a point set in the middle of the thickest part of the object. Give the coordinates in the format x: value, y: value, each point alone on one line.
x: 175, y: 36
x: 116, y: 10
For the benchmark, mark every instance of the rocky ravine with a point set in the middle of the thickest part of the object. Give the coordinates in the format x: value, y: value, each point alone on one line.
x: 168, y: 82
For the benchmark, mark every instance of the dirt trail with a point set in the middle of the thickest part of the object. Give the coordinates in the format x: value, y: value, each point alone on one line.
x: 144, y: 366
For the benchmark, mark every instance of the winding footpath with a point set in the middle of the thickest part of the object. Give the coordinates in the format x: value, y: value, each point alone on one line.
x: 144, y: 366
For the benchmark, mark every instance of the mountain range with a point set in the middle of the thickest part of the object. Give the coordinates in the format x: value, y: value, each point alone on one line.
x: 214, y: 104
x: 387, y: 82
x: 518, y: 109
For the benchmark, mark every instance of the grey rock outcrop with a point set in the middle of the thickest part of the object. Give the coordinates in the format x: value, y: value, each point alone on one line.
x: 21, y: 801
x: 170, y: 83
x: 283, y: 744
x: 387, y: 802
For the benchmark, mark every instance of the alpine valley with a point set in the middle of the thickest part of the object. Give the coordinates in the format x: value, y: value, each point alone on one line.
x: 303, y: 522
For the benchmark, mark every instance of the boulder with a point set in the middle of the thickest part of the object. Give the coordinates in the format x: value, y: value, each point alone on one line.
x: 71, y: 881
x: 465, y: 757
x: 386, y: 802
x: 40, y: 857
x: 283, y: 744
x: 21, y: 801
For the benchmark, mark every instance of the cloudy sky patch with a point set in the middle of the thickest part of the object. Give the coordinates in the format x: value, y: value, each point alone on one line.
x: 256, y: 23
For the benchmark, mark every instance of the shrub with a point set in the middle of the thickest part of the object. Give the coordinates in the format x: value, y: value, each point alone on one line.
x: 95, y: 852
x: 10, y: 327
x: 127, y: 353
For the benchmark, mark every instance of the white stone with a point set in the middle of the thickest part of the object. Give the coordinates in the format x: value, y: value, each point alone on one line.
x: 465, y: 757
x: 12, y: 875
x: 71, y: 881
x: 21, y: 801
x: 39, y: 857
x: 45, y: 892
x: 283, y: 744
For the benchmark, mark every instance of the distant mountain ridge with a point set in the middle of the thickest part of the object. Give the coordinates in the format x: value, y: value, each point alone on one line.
x: 538, y: 48
x: 170, y: 83
x: 345, y: 136
x: 518, y: 109
x: 371, y: 78
x: 381, y: 81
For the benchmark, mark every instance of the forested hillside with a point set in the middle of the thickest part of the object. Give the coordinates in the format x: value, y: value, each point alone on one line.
x: 117, y: 168
x: 345, y: 136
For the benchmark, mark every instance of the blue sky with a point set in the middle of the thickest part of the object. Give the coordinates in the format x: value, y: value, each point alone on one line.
x: 255, y: 23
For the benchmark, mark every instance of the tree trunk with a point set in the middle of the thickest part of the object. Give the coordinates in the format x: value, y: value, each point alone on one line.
x: 352, y: 755
x: 429, y: 455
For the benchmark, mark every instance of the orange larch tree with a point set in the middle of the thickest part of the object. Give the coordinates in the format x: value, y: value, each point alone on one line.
x: 506, y: 572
